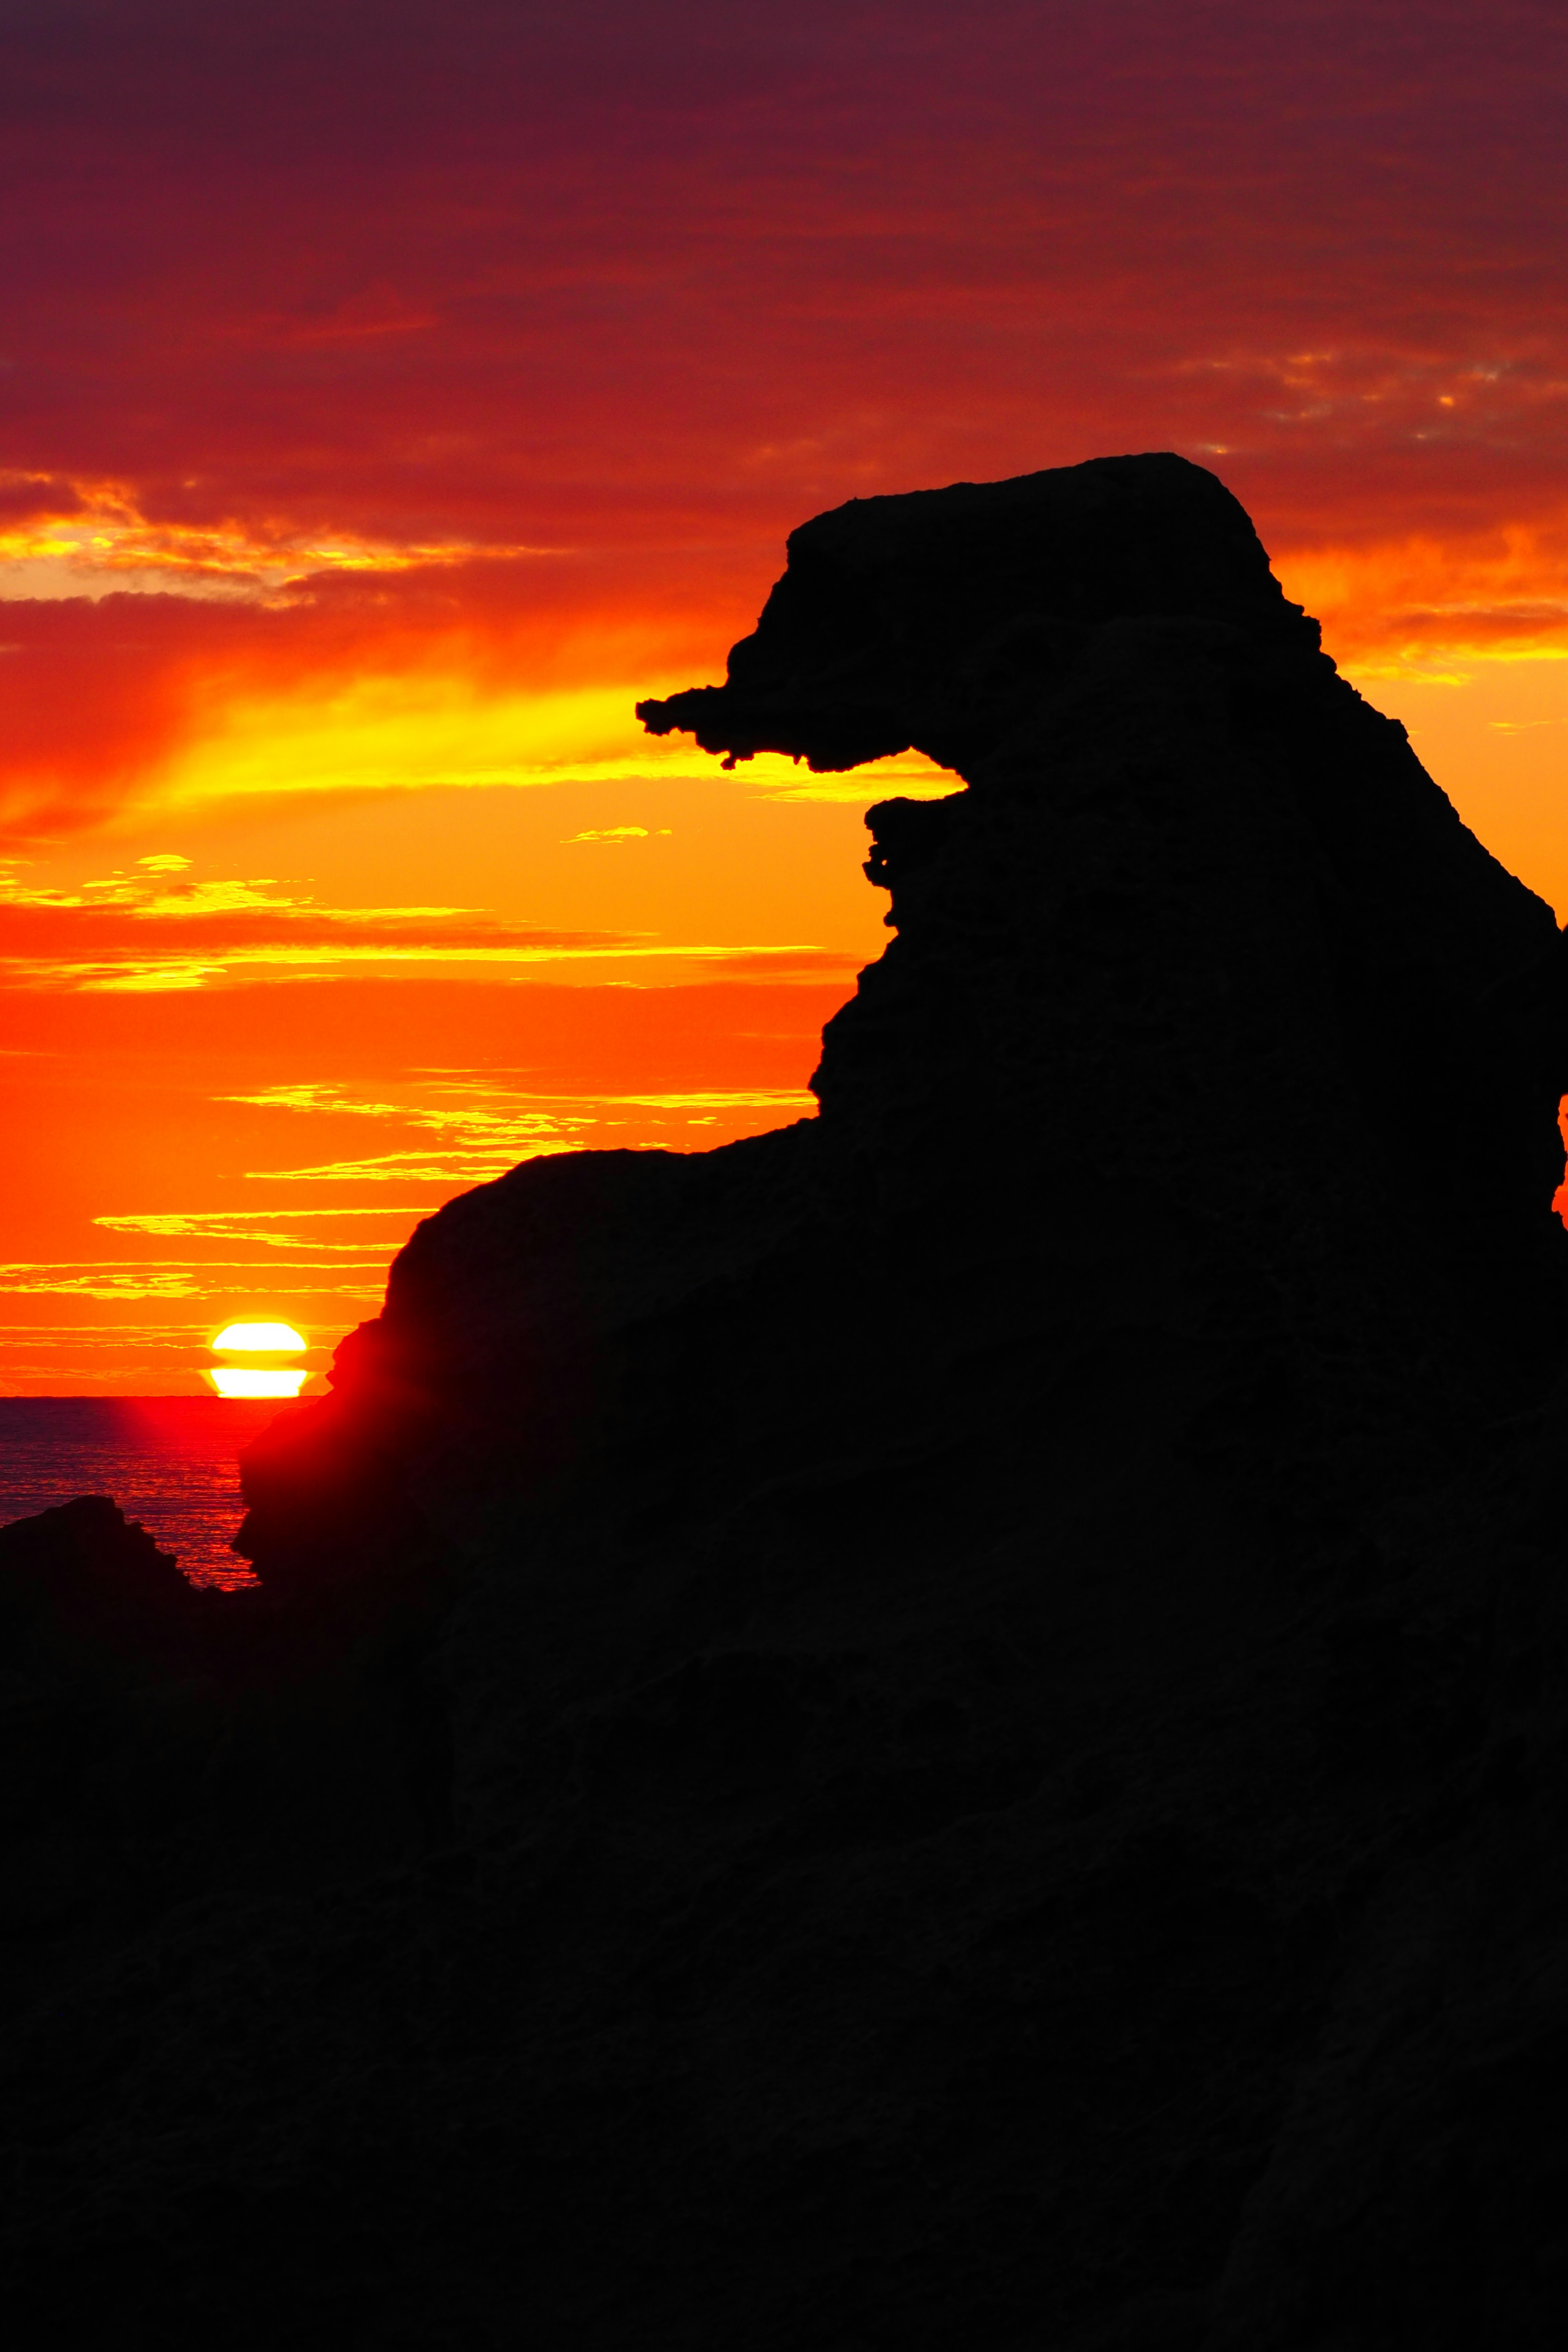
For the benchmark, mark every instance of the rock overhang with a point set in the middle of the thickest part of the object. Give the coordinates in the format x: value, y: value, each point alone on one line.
x: 929, y: 620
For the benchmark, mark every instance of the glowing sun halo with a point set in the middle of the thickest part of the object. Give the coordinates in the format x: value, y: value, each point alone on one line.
x: 266, y: 1379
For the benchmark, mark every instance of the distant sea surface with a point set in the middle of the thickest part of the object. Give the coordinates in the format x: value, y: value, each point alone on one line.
x: 171, y: 1461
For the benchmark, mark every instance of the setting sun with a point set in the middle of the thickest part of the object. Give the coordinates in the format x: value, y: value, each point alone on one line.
x: 259, y: 1338
x: 263, y: 1379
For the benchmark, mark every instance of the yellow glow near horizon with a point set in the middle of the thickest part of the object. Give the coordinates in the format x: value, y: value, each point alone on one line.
x: 433, y: 728
x: 387, y: 734
x: 262, y: 1339
x: 248, y: 1380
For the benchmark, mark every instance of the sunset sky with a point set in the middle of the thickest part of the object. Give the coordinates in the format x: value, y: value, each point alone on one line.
x: 393, y: 393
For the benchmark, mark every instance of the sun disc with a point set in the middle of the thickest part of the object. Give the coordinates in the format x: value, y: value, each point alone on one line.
x: 247, y: 1381
x: 268, y: 1339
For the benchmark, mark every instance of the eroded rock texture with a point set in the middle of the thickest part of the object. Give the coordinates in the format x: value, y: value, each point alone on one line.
x: 949, y: 1723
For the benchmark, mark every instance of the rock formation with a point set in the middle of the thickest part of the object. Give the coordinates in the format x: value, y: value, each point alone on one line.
x: 949, y: 1726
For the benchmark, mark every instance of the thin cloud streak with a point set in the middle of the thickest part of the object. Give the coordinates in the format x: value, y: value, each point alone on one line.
x: 136, y: 976
x: 487, y: 1128
x: 219, y: 1225
x: 175, y: 1280
x: 94, y: 938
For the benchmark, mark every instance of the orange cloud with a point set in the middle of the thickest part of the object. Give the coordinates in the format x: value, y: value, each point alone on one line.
x: 1497, y: 594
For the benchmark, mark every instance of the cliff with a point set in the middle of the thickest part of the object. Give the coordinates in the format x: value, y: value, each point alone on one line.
x: 947, y: 1726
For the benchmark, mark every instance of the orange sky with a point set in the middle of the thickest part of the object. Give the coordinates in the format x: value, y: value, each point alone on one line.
x: 390, y: 396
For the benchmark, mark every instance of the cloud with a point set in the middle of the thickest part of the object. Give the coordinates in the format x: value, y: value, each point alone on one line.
x: 106, y: 1280
x: 486, y: 1127
x: 250, y: 1225
x: 234, y: 931
x: 90, y: 540
x: 31, y: 498
x: 165, y: 703
x: 497, y: 353
x: 615, y: 832
x: 452, y: 1166
x: 173, y: 1278
x: 1502, y: 593
x: 130, y: 975
x: 103, y: 934
x: 193, y: 901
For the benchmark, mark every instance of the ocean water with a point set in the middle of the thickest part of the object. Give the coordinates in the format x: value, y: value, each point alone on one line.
x: 171, y: 1461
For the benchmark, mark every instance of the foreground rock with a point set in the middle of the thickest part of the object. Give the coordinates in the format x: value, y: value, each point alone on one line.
x: 964, y: 1704
x: 85, y: 1593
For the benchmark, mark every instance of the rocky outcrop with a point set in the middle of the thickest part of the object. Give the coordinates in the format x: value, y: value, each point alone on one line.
x: 966, y: 1701
x: 1209, y: 1037
x: 87, y: 1595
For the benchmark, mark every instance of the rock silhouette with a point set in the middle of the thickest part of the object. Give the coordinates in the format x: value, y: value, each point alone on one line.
x: 945, y: 1726
x: 81, y: 1584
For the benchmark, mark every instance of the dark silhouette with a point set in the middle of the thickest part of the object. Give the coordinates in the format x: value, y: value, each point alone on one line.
x: 947, y: 1726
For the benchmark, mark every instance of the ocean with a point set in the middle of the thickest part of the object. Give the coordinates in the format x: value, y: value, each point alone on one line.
x: 171, y: 1462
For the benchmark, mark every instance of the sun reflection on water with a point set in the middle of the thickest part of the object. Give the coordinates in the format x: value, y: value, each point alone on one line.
x: 252, y: 1381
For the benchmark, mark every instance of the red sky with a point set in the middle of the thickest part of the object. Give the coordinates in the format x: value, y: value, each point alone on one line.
x: 391, y: 393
